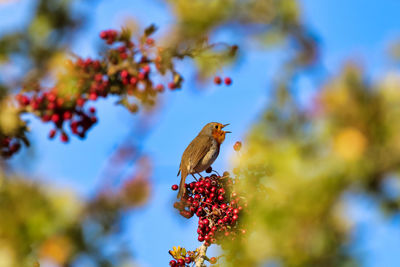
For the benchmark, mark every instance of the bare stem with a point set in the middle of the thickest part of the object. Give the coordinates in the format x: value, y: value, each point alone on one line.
x: 199, y: 261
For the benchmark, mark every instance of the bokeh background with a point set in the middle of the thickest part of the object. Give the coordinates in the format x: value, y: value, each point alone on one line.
x: 361, y: 32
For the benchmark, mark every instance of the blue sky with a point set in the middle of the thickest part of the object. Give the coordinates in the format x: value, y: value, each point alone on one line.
x: 358, y: 29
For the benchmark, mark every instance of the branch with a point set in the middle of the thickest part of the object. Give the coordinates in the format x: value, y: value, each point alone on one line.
x: 199, y: 261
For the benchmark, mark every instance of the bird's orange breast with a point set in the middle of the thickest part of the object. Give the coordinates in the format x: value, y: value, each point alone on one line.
x: 219, y: 136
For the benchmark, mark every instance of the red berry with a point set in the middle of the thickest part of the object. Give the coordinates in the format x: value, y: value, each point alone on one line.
x: 124, y: 74
x: 98, y: 77
x: 171, y: 85
x: 122, y: 49
x: 55, y: 117
x: 133, y: 80
x: 35, y: 105
x: 181, y: 262
x: 67, y: 115
x: 46, y: 118
x: 213, y: 260
x: 60, y: 102
x: 200, y: 238
x: 237, y: 146
x: 88, y: 61
x: 52, y: 133
x: 174, y: 187
x: 228, y: 81
x: 188, y: 260
x: 217, y: 80
x: 96, y: 64
x: 159, y: 88
x: 15, y: 147
x: 146, y: 68
x: 80, y: 102
x: 123, y: 55
x: 51, y: 106
x: 93, y: 96
x: 51, y: 97
x: 6, y: 141
x: 103, y: 35
x: 24, y: 100
x: 172, y: 263
x: 142, y: 75
x: 92, y: 110
x: 64, y: 137
x: 150, y: 41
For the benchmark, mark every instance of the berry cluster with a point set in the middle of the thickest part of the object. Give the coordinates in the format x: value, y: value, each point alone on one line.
x: 125, y: 71
x: 185, y: 258
x: 182, y: 257
x: 10, y: 143
x: 58, y: 110
x: 133, y: 72
x: 9, y: 146
x: 180, y: 262
x: 218, y: 80
x: 218, y: 208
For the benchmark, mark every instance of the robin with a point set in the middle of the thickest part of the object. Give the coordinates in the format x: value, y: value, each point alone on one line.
x: 201, y: 152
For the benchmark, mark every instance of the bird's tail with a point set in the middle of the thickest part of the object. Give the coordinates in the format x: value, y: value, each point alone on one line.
x: 182, y: 188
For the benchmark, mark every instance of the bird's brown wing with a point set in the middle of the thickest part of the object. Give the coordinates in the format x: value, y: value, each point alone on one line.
x: 192, y: 155
x: 196, y: 151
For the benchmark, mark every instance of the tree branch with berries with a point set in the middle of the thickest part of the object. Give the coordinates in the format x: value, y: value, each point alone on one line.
x: 134, y: 72
x: 218, y: 207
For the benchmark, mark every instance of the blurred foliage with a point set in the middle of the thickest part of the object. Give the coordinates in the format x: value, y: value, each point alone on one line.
x: 48, y: 33
x: 301, y: 162
x: 49, y: 225
x: 266, y: 20
x: 30, y: 50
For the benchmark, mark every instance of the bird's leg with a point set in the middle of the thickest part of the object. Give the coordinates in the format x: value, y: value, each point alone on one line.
x: 194, y: 177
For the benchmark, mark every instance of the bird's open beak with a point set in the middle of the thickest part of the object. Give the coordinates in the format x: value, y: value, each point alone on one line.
x: 224, y: 125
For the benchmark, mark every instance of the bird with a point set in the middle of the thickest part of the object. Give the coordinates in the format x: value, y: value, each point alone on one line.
x: 201, y: 152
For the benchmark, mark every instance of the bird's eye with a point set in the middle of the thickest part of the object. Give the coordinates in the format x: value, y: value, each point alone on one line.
x: 216, y: 126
